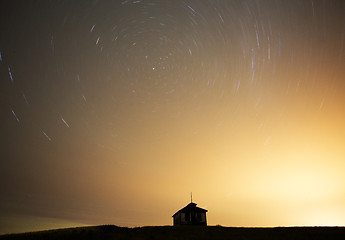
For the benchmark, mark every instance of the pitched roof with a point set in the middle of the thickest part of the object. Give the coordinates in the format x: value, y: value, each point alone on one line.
x: 191, y: 207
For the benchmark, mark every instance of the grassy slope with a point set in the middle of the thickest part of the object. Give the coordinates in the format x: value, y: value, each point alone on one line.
x: 181, y: 233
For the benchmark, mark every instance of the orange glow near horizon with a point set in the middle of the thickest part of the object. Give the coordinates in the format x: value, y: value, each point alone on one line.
x: 113, y: 113
x: 285, y: 173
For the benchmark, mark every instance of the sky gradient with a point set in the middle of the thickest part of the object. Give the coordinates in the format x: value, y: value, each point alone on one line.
x: 112, y: 112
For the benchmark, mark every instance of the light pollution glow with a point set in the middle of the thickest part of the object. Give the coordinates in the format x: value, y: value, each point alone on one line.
x: 239, y: 102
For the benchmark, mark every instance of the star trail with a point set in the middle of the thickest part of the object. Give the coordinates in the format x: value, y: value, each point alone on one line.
x: 112, y: 112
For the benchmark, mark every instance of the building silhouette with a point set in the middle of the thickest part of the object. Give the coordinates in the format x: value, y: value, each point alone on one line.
x: 190, y: 215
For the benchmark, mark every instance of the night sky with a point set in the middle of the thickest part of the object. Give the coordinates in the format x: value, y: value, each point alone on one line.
x: 112, y: 112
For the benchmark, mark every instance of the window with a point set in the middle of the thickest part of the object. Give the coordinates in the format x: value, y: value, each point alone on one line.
x: 203, y: 217
x: 187, y: 217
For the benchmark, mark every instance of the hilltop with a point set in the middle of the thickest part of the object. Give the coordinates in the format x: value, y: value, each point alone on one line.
x: 182, y: 233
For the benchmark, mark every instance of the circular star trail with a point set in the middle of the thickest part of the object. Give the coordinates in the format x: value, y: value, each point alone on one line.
x: 105, y: 102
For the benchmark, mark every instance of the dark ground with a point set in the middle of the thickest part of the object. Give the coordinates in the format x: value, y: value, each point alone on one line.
x: 182, y: 233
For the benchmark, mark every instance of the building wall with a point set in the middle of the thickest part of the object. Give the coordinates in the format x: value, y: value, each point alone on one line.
x: 203, y: 218
x: 187, y: 218
x: 177, y: 219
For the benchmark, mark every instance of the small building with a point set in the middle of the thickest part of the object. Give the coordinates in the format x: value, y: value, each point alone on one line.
x: 190, y: 215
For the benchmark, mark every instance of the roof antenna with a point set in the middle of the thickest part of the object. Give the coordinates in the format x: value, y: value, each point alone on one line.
x: 191, y: 197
